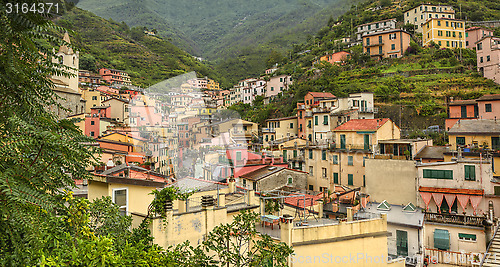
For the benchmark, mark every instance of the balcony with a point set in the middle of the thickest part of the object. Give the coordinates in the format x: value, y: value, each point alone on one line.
x: 458, y: 219
x: 368, y: 110
x: 268, y: 130
x: 349, y: 147
x: 377, y: 44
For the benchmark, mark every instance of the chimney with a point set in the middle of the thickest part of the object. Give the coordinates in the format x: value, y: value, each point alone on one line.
x: 232, y: 185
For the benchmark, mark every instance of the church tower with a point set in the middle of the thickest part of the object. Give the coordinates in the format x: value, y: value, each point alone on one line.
x: 70, y: 59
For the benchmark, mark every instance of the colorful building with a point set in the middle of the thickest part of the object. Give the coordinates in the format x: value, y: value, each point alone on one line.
x: 386, y: 44
x: 488, y: 57
x: 447, y: 33
x: 377, y: 26
x: 335, y: 58
x: 474, y: 34
x: 115, y: 77
x: 420, y: 14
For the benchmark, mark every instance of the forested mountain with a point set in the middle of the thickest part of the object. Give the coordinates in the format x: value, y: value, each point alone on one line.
x: 237, y: 34
x: 148, y: 59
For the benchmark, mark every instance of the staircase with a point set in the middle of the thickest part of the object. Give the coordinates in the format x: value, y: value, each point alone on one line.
x: 492, y: 258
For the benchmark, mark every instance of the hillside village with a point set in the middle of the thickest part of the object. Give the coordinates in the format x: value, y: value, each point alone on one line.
x: 333, y: 176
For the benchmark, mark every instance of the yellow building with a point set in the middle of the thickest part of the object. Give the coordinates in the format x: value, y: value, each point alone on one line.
x: 93, y: 99
x: 420, y: 14
x: 447, y: 33
x: 278, y: 129
x: 212, y: 85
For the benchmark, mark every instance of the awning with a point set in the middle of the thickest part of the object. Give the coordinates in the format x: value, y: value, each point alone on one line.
x: 450, y: 199
x: 457, y: 191
x: 438, y: 198
x: 427, y: 198
x: 463, y: 200
x: 474, y: 201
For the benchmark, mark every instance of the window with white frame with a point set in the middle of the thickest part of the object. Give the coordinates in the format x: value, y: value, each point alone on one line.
x: 120, y: 198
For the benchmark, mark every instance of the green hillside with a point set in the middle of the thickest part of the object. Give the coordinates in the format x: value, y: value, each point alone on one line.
x: 236, y: 34
x: 148, y: 59
x: 415, y: 88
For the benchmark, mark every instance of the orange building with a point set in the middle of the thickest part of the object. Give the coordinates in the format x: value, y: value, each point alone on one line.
x: 336, y: 58
x: 386, y: 44
x: 115, y: 77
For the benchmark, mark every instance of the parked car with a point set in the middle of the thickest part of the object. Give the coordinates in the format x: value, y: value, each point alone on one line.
x: 432, y: 129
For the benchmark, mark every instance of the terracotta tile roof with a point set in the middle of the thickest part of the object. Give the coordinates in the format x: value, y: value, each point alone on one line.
x: 362, y: 125
x: 489, y: 97
x: 432, y: 152
x: 462, y: 102
x: 298, y: 201
x: 321, y: 94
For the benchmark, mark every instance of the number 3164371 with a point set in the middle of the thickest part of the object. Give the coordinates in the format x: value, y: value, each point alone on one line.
x: 25, y: 8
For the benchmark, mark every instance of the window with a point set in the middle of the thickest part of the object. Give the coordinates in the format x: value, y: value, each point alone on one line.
x: 323, y: 172
x: 284, y: 155
x: 488, y: 58
x: 94, y: 97
x: 311, y: 170
x: 470, y: 172
x: 244, y: 183
x: 310, y: 154
x: 380, y: 49
x: 310, y: 137
x: 300, y: 114
x: 448, y: 43
x: 466, y: 237
x: 308, y: 124
x: 336, y: 178
x: 120, y: 199
x: 438, y: 174
x: 380, y: 39
x: 323, y: 154
x: 281, y: 80
x: 335, y: 159
x: 272, y: 88
x: 311, y: 187
x: 487, y: 107
x: 315, y: 120
x: 402, y: 243
x: 91, y: 133
x: 368, y: 41
x: 481, y: 59
x: 350, y: 179
x: 441, y: 239
x: 454, y: 34
x: 291, y: 125
x: 393, y: 47
x: 440, y: 33
x: 447, y: 24
x: 368, y: 50
x: 460, y: 141
x: 290, y: 180
x: 439, y: 23
x: 349, y: 161
x: 325, y: 120
x: 238, y: 155
x: 480, y: 46
x: 267, y: 137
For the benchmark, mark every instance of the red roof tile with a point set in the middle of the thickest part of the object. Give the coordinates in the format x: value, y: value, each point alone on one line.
x: 321, y: 94
x: 298, y: 201
x: 362, y: 125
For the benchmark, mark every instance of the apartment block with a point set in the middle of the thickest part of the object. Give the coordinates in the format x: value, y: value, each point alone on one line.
x: 488, y: 57
x: 386, y: 44
x: 420, y: 14
x: 447, y: 33
x: 372, y: 27
x: 474, y: 34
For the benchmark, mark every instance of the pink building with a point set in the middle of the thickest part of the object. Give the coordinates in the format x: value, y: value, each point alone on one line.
x: 486, y: 107
x: 474, y: 34
x: 488, y: 57
x: 489, y: 107
x: 93, y: 123
x: 278, y: 84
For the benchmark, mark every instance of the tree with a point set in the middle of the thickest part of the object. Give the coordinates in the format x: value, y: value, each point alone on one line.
x: 39, y: 155
x: 239, y: 244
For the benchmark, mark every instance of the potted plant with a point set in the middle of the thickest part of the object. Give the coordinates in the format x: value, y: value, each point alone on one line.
x: 163, y: 200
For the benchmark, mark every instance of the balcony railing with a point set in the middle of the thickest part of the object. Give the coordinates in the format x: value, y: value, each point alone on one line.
x: 368, y: 110
x: 454, y: 219
x: 268, y: 130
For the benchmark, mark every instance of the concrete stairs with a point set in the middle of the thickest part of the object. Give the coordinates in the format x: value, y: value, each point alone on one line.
x: 493, y: 256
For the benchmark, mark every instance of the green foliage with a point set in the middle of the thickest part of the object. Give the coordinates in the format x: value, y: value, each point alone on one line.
x: 148, y: 59
x: 239, y: 244
x: 106, y: 220
x: 167, y: 195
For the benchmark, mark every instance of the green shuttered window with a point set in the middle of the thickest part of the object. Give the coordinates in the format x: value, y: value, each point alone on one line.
x: 438, y: 174
x: 350, y: 179
x: 470, y: 172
